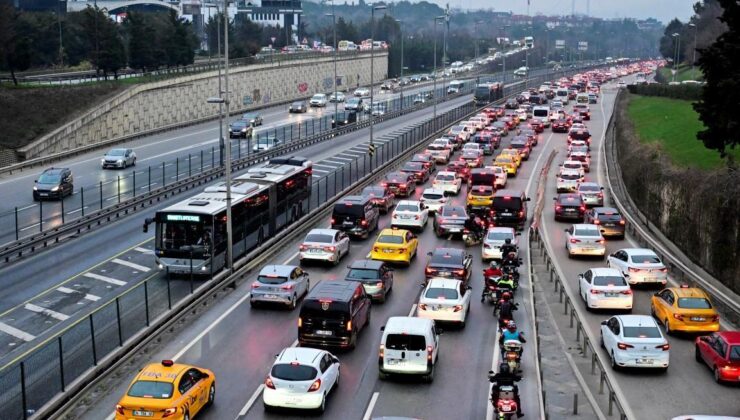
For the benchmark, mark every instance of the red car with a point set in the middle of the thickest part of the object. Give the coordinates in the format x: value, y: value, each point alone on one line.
x: 537, y: 126
x: 720, y: 351
x: 560, y: 126
x: 460, y: 168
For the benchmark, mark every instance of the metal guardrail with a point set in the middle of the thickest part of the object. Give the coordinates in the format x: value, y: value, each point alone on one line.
x: 582, y: 334
x: 618, y: 194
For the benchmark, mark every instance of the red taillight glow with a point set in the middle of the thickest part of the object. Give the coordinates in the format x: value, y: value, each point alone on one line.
x: 287, y: 287
x: 624, y: 346
x: 170, y: 412
x: 460, y: 272
x: 595, y: 292
x: 597, y: 222
x: 664, y: 347
x: 622, y: 222
x: 574, y: 240
x: 300, y: 322
x: 331, y: 248
x: 627, y: 292
x: 349, y: 325
x: 430, y: 352
x: 363, y: 223
x: 315, y: 386
x: 381, y: 351
x: 558, y: 208
x: 268, y: 383
x: 119, y: 409
x: 634, y: 270
x: 458, y: 308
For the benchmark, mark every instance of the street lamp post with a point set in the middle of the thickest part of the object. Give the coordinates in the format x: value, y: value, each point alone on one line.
x: 372, y: 68
x: 220, y: 104
x: 400, y: 80
x: 434, y: 68
x: 676, y: 55
x: 334, y: 23
x: 476, y: 39
x: 693, y: 55
x: 59, y: 23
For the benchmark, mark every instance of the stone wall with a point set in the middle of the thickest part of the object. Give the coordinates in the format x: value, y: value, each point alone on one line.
x: 167, y: 104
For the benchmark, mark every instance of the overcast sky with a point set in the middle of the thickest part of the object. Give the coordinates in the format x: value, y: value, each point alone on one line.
x: 663, y: 10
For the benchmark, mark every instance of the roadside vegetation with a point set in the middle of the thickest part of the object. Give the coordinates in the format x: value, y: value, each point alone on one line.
x: 684, y: 72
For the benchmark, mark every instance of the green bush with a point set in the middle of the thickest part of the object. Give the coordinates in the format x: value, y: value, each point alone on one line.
x: 686, y: 92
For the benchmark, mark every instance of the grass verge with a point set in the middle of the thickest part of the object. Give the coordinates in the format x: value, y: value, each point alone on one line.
x: 684, y: 73
x: 674, y: 124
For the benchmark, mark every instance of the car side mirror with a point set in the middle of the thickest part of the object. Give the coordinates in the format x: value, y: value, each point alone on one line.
x: 429, y: 253
x: 580, y: 276
x: 554, y: 198
x: 35, y: 181
x: 704, y: 338
x: 335, y: 359
x: 565, y: 230
x: 603, y: 322
x: 468, y: 287
x: 382, y: 328
x: 490, y: 372
x: 656, y: 294
x: 440, y: 331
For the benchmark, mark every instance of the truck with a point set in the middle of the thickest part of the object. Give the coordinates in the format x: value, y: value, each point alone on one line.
x: 485, y: 93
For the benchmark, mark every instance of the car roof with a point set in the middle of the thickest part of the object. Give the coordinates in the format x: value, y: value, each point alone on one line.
x: 605, y: 271
x: 407, y: 325
x: 501, y: 229
x: 637, y: 320
x: 331, y: 232
x: 393, y: 232
x: 508, y: 193
x: 161, y: 372
x: 340, y: 291
x: 684, y: 292
x: 636, y: 251
x: 585, y: 226
x: 369, y: 264
x: 277, y: 270
x: 408, y: 202
x: 433, y: 190
x: 448, y: 251
x: 443, y: 283
x: 55, y: 170
x: 303, y: 355
x: 569, y: 171
x: 447, y: 173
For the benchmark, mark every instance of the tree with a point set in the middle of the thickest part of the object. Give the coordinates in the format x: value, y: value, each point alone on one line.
x: 112, y: 55
x: 668, y: 43
x: 346, y: 30
x: 142, y: 42
x: 247, y: 36
x: 720, y: 63
x: 15, y: 50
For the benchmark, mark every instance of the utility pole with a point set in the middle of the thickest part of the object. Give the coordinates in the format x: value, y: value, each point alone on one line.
x: 400, y: 80
x: 219, y: 16
x: 227, y: 173
x: 372, y: 71
x: 434, y: 79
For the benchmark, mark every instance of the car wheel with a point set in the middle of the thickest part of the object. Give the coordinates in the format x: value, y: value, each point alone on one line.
x: 615, y: 366
x: 717, y: 378
x: 382, y: 376
x: 322, y: 407
x: 293, y: 302
x: 667, y: 327
x: 430, y: 377
x: 211, y: 395
x: 601, y: 341
x: 186, y: 416
x: 697, y: 354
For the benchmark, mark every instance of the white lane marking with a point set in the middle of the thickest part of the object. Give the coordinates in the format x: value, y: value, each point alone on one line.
x: 111, y: 417
x: 251, y: 401
x: 27, y: 207
x: 295, y: 343
x: 345, y: 159
x: 144, y: 250
x: 413, y: 308
x: 210, y: 327
x: 87, y: 296
x: 147, y: 186
x: 132, y: 265
x: 105, y: 279
x: 75, y: 211
x: 320, y: 171
x: 15, y: 332
x: 40, y: 310
x: 494, y: 367
x: 291, y: 258
x: 532, y: 176
x: 331, y: 161
x: 179, y: 150
x: 371, y: 406
x: 29, y: 227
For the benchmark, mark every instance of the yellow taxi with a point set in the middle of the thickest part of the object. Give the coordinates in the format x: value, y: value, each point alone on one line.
x: 395, y: 245
x: 515, y: 154
x: 167, y: 390
x: 684, y: 308
x: 480, y: 197
x: 506, y: 162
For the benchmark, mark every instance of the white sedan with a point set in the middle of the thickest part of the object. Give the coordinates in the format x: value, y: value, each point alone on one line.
x: 604, y: 288
x: 301, y: 377
x: 439, y: 152
x: 433, y: 199
x: 318, y: 99
x: 573, y: 165
x: 472, y: 147
x: 336, y: 97
x: 568, y: 180
x: 495, y: 237
x: 501, y: 176
x: 410, y: 214
x: 639, y: 265
x: 635, y: 341
x: 446, y: 300
x: 448, y: 182
x: 360, y: 92
x: 324, y: 245
x: 584, y: 239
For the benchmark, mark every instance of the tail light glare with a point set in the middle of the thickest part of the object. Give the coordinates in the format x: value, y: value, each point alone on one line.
x: 595, y: 292
x: 521, y: 213
x: 170, y: 412
x: 333, y: 221
x: 430, y: 351
x: 583, y: 208
x: 119, y: 409
x: 379, y: 284
x: 634, y: 270
x: 627, y: 292
x: 349, y: 325
x: 624, y: 346
x: 330, y: 248
x: 300, y: 322
x: 363, y: 223
x: 268, y: 383
x: 597, y: 222
x: 376, y: 249
x: 664, y: 270
x: 287, y: 287
x: 601, y: 241
x: 715, y: 318
x: 255, y: 285
x: 678, y: 317
x: 305, y: 247
x: 458, y: 308
x: 558, y: 208
x: 315, y: 386
x: 383, y: 184
x: 664, y: 347
x: 574, y: 240
x: 460, y: 272
x: 381, y: 351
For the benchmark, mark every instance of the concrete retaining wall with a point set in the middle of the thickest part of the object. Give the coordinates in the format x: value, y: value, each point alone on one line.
x: 160, y: 105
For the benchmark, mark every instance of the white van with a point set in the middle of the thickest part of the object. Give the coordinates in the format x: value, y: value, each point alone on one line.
x: 409, y: 346
x: 542, y: 113
x: 455, y: 86
x: 562, y: 95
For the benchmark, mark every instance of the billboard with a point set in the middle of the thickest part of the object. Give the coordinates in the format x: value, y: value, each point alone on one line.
x: 559, y: 44
x: 582, y: 45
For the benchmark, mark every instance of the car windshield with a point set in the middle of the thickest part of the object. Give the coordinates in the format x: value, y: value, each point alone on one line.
x: 609, y: 217
x: 570, y: 177
x: 587, y: 232
x: 735, y: 353
x: 342, y: 210
x: 117, y: 152
x: 694, y: 303
x: 353, y: 101
x: 390, y: 239
x: 373, y: 191
x: 271, y: 279
x: 609, y: 281
x: 405, y: 342
x: 413, y: 166
x: 407, y: 207
x: 319, y: 237
x: 293, y: 372
x: 298, y: 104
x: 645, y: 259
x: 482, y: 192
x: 589, y: 188
x: 569, y: 200
x: 50, y: 178
x: 239, y: 124
x: 433, y: 196
x: 151, y: 389
x: 499, y: 236
x: 249, y: 116
x: 317, y: 97
x: 445, y: 177
x: 440, y: 293
x: 362, y: 274
x: 441, y: 258
x: 641, y: 332
x: 454, y: 212
x: 572, y: 165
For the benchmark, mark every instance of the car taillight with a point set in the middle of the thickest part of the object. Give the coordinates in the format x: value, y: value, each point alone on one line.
x: 315, y: 386
x: 634, y: 270
x: 622, y: 222
x: 330, y: 248
x: 460, y: 272
x: 332, y: 221
x: 363, y: 223
x: 119, y: 409
x: 595, y: 292
x: 678, y: 317
x: 349, y: 325
x: 664, y: 347
x: 627, y: 292
x: 715, y: 318
x: 423, y: 306
x: 574, y: 240
x: 600, y: 241
x: 383, y: 184
x: 521, y: 213
x: 300, y: 322
x: 458, y: 308
x: 255, y: 285
x: 558, y: 208
x: 601, y: 195
x: 303, y: 247
x: 381, y: 351
x: 583, y: 208
x: 268, y: 383
x: 487, y: 246
x: 376, y: 249
x: 430, y: 352
x: 624, y: 346
x: 429, y: 270
x: 416, y: 217
x: 169, y: 412
x: 664, y: 270
x: 597, y: 222
x: 287, y: 287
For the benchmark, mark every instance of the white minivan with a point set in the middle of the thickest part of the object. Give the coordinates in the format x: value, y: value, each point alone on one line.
x: 409, y: 346
x: 562, y: 96
x: 542, y: 113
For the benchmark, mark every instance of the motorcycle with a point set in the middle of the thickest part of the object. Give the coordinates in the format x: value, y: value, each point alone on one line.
x: 472, y: 238
x: 511, y: 271
x: 512, y: 354
x: 490, y: 289
x: 505, y: 406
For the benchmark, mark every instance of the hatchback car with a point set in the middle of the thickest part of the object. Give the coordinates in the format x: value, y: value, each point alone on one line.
x: 280, y: 284
x: 240, y: 130
x: 684, y: 309
x: 53, y: 183
x: 449, y: 263
x: 495, y: 238
x: 324, y: 245
x: 299, y: 106
x: 410, y: 214
x: 252, y: 118
x: 167, y: 389
x: 635, y: 341
x: 721, y: 353
x: 401, y: 184
x: 376, y: 278
x: 605, y: 288
x: 301, y: 378
x: 569, y: 206
x: 119, y: 158
x: 591, y: 193
x: 610, y: 222
x: 395, y: 245
x: 444, y: 300
x: 448, y: 182
x: 421, y: 174
x: 433, y: 199
x: 639, y: 265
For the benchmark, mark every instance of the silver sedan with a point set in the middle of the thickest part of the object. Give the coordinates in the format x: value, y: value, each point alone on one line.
x: 583, y: 239
x: 119, y: 158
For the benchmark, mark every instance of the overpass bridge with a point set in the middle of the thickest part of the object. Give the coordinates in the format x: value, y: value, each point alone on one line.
x: 120, y: 6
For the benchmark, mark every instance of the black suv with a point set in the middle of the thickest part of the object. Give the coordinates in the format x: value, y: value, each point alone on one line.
x: 449, y: 262
x: 569, y: 206
x: 53, y: 183
x: 333, y: 314
x: 343, y: 118
x: 510, y: 208
x: 376, y: 277
x: 356, y: 215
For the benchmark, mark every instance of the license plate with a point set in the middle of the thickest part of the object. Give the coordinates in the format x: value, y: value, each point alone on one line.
x: 406, y: 217
x: 454, y: 229
x: 314, y: 251
x: 644, y: 361
x: 608, y: 224
x: 270, y: 296
x: 611, y: 294
x: 570, y: 210
x: 43, y: 194
x: 396, y: 361
x: 323, y: 332
x: 698, y: 318
x: 506, y: 214
x: 651, y: 279
x: 387, y: 251
x: 143, y: 413
x: 506, y: 407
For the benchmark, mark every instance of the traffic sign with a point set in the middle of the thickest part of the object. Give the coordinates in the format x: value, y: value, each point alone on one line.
x: 371, y: 149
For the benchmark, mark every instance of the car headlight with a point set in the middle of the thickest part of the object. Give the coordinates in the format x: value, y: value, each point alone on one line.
x: 120, y: 161
x: 55, y: 188
x: 35, y: 188
x: 244, y: 130
x: 102, y: 160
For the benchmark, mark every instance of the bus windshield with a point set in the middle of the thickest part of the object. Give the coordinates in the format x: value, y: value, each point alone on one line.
x: 179, y: 232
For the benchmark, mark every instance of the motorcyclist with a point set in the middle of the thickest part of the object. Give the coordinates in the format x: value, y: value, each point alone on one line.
x: 506, y: 310
x: 475, y: 226
x: 511, y: 333
x: 503, y: 295
x: 507, y: 248
x: 493, y: 272
x: 505, y: 377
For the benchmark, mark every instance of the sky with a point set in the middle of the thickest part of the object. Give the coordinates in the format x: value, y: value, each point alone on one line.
x: 663, y: 10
